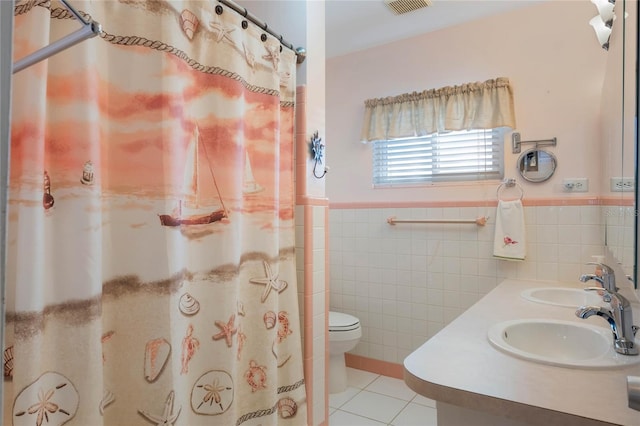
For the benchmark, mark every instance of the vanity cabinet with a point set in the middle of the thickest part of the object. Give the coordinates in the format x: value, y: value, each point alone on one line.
x: 476, y: 384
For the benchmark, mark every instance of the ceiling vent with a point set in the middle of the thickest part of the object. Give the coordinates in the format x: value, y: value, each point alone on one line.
x: 404, y: 6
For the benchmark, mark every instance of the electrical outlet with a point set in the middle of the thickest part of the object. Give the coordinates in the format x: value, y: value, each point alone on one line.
x: 575, y: 184
x: 622, y: 184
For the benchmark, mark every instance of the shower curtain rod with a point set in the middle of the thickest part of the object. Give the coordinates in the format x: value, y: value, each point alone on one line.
x: 89, y: 29
x: 300, y: 52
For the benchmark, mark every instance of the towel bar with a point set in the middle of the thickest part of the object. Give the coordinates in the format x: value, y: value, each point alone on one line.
x: 481, y: 221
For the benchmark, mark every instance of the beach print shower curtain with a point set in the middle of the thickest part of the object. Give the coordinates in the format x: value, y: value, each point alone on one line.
x: 151, y: 269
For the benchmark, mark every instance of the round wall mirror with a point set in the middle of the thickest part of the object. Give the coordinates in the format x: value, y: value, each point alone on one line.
x: 536, y: 165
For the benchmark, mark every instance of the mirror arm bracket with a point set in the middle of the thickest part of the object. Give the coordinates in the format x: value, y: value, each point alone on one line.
x: 516, y: 142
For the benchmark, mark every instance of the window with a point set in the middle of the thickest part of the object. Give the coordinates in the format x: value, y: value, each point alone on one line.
x: 440, y: 157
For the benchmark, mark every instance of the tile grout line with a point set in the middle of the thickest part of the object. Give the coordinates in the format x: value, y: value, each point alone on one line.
x: 399, y: 412
x: 381, y: 394
x: 365, y: 417
x: 407, y: 402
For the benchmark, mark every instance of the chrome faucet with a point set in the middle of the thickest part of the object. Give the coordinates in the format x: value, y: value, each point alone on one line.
x: 620, y: 319
x: 607, y: 280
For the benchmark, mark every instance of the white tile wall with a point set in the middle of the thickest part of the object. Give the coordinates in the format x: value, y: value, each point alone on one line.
x: 620, y: 234
x: 299, y: 221
x: 406, y: 282
x: 315, y: 313
x: 319, y: 367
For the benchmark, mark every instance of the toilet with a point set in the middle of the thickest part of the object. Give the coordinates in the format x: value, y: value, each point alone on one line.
x: 344, y: 335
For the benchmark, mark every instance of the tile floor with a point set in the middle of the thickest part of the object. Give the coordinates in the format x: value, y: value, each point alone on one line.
x: 371, y: 399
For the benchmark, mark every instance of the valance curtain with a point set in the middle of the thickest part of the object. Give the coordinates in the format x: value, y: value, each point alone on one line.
x: 480, y: 105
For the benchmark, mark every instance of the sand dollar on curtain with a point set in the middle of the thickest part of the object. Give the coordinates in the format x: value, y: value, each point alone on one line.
x: 151, y: 274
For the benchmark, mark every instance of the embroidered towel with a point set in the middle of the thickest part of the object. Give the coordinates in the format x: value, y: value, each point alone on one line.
x: 509, y: 239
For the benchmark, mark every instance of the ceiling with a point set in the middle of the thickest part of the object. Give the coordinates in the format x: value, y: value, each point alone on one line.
x: 353, y: 25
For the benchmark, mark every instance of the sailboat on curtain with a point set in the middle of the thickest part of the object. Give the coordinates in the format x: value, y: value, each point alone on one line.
x: 187, y: 211
x: 249, y: 183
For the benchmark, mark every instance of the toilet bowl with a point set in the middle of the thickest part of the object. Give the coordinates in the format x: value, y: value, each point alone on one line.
x: 344, y: 335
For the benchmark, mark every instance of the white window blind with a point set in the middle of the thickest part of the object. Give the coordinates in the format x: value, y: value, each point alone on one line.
x: 440, y: 157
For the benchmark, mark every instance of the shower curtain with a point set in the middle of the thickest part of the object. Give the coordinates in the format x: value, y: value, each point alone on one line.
x: 151, y: 267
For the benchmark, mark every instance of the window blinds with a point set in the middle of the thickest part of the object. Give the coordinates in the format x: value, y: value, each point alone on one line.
x: 451, y: 156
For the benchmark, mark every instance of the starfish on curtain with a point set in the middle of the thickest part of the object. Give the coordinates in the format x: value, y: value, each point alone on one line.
x: 167, y: 418
x: 221, y: 31
x: 270, y: 282
x: 228, y: 330
x: 273, y: 56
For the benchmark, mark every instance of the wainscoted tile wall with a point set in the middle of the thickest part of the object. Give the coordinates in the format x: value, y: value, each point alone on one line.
x: 407, y: 281
x: 620, y: 232
x: 311, y: 220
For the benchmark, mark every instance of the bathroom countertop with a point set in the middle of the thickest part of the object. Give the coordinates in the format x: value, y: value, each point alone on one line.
x: 459, y: 366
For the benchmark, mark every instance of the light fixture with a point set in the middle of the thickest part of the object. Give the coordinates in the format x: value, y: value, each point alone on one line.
x: 603, y: 21
x: 603, y: 32
x: 605, y: 10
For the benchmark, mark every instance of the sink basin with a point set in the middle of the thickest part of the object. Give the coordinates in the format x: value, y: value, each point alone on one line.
x: 569, y: 297
x: 560, y: 343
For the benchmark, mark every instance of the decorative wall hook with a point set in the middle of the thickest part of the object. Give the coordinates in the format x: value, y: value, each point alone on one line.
x: 316, y: 148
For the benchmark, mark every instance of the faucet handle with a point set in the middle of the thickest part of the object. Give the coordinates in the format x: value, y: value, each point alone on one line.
x: 608, y: 278
x: 606, y: 269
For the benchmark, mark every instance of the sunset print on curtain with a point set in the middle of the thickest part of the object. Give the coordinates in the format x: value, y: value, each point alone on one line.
x: 151, y: 269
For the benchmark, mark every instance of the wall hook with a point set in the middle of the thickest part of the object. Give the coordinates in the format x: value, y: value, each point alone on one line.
x: 317, y: 153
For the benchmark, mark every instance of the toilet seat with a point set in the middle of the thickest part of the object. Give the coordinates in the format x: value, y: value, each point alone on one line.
x: 339, y: 321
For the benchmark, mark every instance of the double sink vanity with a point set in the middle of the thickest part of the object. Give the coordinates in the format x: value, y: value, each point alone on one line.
x: 522, y: 356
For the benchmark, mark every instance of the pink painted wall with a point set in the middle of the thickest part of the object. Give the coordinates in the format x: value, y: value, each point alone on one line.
x: 556, y: 67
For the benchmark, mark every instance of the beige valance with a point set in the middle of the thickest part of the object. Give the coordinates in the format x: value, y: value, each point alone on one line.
x: 481, y: 105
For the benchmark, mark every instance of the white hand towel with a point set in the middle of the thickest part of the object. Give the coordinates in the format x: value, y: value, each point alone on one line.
x: 509, y: 239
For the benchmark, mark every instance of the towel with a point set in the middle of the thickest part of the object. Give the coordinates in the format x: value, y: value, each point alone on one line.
x: 509, y: 239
